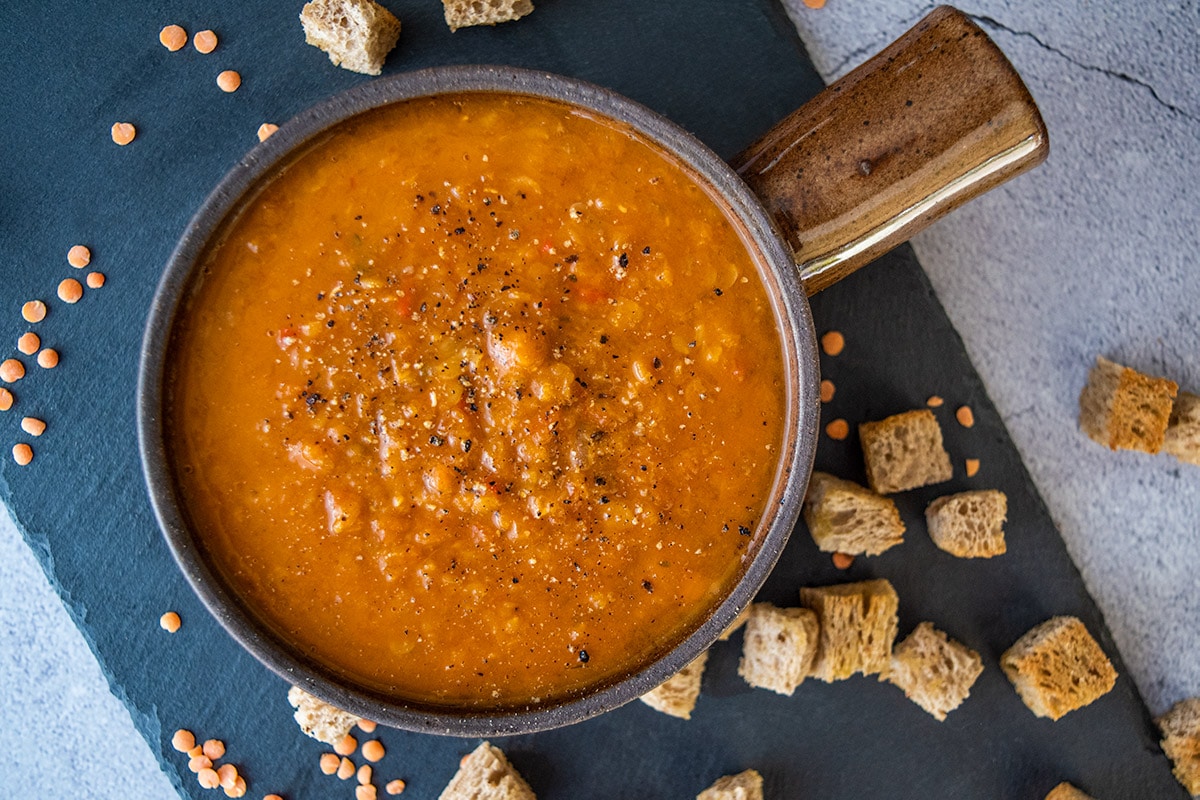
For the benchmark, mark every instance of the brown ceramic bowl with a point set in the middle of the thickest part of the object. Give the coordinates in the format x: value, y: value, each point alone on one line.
x: 937, y: 118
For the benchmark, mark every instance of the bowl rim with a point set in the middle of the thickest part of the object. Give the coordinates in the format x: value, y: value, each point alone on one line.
x: 779, y: 276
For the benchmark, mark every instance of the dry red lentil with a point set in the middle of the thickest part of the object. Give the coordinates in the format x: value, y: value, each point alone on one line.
x: 365, y: 792
x: 170, y: 622
x: 22, y: 453
x: 197, y: 763
x: 364, y: 774
x: 265, y: 130
x: 34, y: 311
x: 11, y: 370
x: 965, y: 416
x: 346, y: 745
x: 123, y: 133
x: 373, y: 750
x: 6, y: 399
x: 229, y: 80
x: 833, y: 343
x: 29, y: 343
x: 366, y: 726
x: 48, y: 358
x: 228, y: 774
x: 972, y: 467
x: 173, y: 37
x: 207, y: 777
x: 329, y: 763
x: 79, y: 256
x: 183, y: 740
x: 843, y: 560
x: 838, y: 429
x: 205, y: 41
x: 70, y: 290
x: 214, y: 748
x: 395, y: 787
x: 33, y: 426
x: 815, y: 3
x: 238, y: 789
x: 934, y: 401
x: 95, y: 280
x: 827, y: 391
x: 345, y: 769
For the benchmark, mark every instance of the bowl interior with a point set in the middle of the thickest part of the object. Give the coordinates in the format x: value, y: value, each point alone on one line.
x: 258, y: 168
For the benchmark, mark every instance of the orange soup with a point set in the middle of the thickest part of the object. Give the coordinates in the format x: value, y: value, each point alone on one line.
x: 478, y: 402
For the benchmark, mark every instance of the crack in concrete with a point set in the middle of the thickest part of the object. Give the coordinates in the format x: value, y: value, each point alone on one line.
x: 1121, y: 76
x: 875, y: 47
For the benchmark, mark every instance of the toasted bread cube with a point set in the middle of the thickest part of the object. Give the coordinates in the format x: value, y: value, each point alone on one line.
x: 1058, y: 667
x: 319, y: 719
x: 844, y: 517
x: 904, y: 451
x: 1123, y: 409
x: 1182, y: 438
x: 465, y: 13
x: 778, y: 648
x: 857, y: 627
x: 934, y: 671
x: 1065, y: 791
x: 485, y: 774
x: 969, y: 524
x: 357, y: 34
x: 1181, y: 742
x: 746, y: 785
x: 677, y: 695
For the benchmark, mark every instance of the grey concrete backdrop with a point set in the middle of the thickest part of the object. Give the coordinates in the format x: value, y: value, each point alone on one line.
x: 1096, y: 252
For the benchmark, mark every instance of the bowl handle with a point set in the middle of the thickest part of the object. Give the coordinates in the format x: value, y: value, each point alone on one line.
x: 937, y: 118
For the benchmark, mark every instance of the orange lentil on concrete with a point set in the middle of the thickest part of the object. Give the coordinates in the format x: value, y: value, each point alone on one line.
x: 183, y: 740
x: 843, y: 560
x: 123, y: 133
x: 173, y: 37
x: 395, y: 787
x: 34, y: 311
x: 934, y: 401
x: 229, y: 80
x: 372, y: 750
x: 6, y: 399
x: 365, y: 792
x: 11, y: 370
x: 170, y: 622
x: 346, y: 745
x: 345, y: 769
x: 329, y: 763
x: 33, y: 426
x: 207, y: 777
x: 838, y: 429
x: 29, y: 343
x: 214, y: 748
x: 265, y: 130
x: 205, y: 41
x: 22, y: 453
x: 364, y: 774
x: 833, y: 343
x: 965, y: 416
x: 95, y: 280
x: 972, y: 467
x: 79, y: 256
x: 815, y: 3
x: 827, y: 391
x: 48, y: 358
x: 70, y: 290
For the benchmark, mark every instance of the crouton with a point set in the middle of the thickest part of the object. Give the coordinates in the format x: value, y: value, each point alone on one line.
x: 969, y: 524
x: 1058, y: 667
x: 747, y: 785
x: 779, y: 647
x: 465, y: 13
x: 1182, y: 438
x: 319, y: 719
x: 1123, y: 409
x: 677, y: 695
x: 857, y: 627
x: 1181, y: 742
x: 485, y: 774
x: 904, y: 451
x: 357, y: 34
x: 844, y: 517
x: 933, y: 670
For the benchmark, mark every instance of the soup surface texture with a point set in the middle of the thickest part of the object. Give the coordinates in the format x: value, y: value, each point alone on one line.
x: 478, y: 401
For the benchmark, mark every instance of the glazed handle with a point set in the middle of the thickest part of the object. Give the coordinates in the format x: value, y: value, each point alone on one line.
x: 937, y: 118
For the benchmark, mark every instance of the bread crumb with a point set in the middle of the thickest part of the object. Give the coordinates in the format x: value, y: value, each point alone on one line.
x: 357, y: 34
x: 1123, y: 409
x: 677, y: 695
x: 1058, y: 667
x: 1181, y: 742
x: 747, y: 785
x: 933, y: 670
x: 319, y: 719
x: 466, y: 13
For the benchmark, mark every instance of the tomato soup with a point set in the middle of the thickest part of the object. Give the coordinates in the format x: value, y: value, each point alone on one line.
x: 478, y: 401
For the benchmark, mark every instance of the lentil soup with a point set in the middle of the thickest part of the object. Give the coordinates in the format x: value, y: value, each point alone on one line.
x: 478, y: 401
